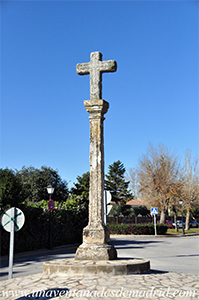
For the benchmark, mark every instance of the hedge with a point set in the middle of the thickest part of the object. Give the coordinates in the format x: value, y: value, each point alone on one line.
x: 137, y: 229
x: 66, y: 228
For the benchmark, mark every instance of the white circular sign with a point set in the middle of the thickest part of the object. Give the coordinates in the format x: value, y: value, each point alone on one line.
x: 18, y: 219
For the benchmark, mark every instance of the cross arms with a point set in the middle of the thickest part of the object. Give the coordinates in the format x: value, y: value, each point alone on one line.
x: 95, y: 68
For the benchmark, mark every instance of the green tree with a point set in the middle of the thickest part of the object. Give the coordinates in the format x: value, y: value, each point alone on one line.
x: 195, y: 212
x: 11, y: 189
x: 35, y: 182
x: 116, y: 210
x: 117, y: 185
x: 140, y: 210
x: 81, y: 188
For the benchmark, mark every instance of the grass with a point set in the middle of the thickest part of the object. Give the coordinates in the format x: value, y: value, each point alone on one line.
x: 191, y: 230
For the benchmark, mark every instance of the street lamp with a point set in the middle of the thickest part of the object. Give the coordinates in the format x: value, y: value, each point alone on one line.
x: 180, y: 203
x: 50, y: 190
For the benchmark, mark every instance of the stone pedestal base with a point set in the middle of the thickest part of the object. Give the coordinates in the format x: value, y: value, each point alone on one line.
x: 96, y: 245
x: 96, y: 252
x: 71, y: 267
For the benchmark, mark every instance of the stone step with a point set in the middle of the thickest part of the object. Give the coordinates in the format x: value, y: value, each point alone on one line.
x: 99, y: 267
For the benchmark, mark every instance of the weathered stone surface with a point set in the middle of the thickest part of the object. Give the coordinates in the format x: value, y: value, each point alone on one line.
x: 94, y: 251
x: 153, y: 285
x: 95, y: 68
x: 103, y: 267
x: 96, y: 242
x: 96, y: 109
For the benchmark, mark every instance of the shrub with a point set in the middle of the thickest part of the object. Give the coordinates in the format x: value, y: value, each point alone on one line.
x: 137, y: 229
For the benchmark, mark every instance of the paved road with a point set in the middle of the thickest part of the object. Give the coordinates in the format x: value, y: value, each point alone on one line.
x: 174, y: 254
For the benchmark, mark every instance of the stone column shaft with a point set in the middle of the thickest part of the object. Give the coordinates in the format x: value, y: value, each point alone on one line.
x: 97, y: 109
x: 96, y: 242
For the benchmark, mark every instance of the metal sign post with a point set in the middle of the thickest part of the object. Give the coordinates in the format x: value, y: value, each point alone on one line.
x: 12, y: 230
x: 155, y: 225
x: 51, y: 206
x: 154, y: 212
x: 12, y: 220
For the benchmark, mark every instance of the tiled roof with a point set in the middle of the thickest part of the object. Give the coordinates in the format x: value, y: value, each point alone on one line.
x: 136, y: 202
x: 133, y: 202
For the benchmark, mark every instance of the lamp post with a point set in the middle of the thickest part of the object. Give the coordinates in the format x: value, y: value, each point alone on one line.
x: 180, y: 203
x: 50, y: 190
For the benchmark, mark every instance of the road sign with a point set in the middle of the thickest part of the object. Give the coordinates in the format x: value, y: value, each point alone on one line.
x: 154, y: 211
x: 12, y: 220
x: 107, y: 197
x: 51, y: 204
x: 18, y: 219
x: 107, y: 200
x: 109, y: 208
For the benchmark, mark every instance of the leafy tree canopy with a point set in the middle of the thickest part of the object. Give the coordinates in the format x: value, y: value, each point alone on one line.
x: 35, y: 182
x: 11, y: 189
x: 115, y: 210
x: 117, y: 185
x: 141, y: 210
x: 81, y: 188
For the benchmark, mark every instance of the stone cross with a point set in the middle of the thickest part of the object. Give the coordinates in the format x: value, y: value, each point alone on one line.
x: 95, y: 68
x: 96, y: 241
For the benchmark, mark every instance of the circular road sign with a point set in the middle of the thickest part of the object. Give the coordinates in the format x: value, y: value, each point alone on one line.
x: 51, y: 204
x: 18, y: 219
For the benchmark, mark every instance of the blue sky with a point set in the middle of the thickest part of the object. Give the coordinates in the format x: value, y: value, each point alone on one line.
x: 153, y: 96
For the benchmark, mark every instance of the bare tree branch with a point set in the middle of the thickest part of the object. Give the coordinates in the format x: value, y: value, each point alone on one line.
x: 158, y: 177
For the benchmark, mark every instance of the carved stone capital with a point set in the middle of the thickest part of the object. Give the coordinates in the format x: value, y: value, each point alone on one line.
x: 98, y: 107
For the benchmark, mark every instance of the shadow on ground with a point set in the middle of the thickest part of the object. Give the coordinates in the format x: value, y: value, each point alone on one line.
x: 24, y: 260
x: 132, y: 244
x: 27, y: 258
